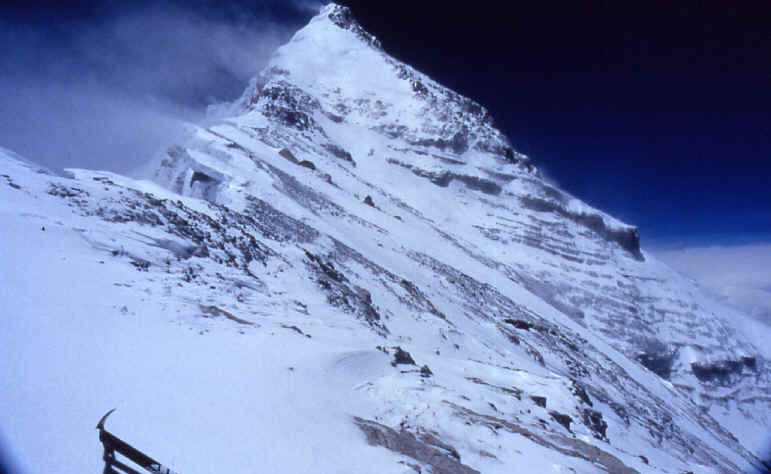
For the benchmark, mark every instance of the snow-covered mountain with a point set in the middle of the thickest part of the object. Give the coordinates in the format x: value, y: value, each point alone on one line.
x: 356, y: 272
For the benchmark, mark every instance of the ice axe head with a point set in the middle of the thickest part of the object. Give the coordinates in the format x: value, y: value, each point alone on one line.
x: 100, y: 425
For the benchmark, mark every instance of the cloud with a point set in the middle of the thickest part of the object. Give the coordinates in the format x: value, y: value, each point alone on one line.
x: 739, y: 275
x: 108, y: 92
x: 309, y: 6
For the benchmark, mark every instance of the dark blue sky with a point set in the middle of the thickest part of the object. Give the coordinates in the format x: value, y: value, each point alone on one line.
x: 658, y: 114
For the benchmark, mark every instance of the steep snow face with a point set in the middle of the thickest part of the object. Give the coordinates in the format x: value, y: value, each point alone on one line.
x: 356, y: 259
x: 230, y: 340
x: 433, y: 164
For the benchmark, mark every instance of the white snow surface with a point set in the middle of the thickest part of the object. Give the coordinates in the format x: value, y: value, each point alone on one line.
x: 243, y: 310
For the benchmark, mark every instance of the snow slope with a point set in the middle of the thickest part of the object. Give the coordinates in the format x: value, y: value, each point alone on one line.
x: 244, y: 311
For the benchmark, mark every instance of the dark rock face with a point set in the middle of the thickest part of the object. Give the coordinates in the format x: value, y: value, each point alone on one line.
x: 339, y: 152
x: 444, y: 178
x: 750, y: 362
x: 278, y: 226
x: 199, y: 177
x: 203, y: 181
x: 216, y: 311
x: 402, y: 357
x: 228, y: 240
x: 540, y: 401
x: 423, y: 447
x: 208, y: 191
x: 204, y: 186
x: 562, y: 419
x: 580, y: 392
x: 519, y: 324
x: 343, y: 294
x: 288, y: 155
x: 593, y: 420
x: 627, y: 238
x: 501, y: 148
x: 140, y: 264
x: 478, y: 184
x: 419, y: 88
x: 289, y: 105
x: 392, y: 130
x: 660, y: 364
x: 418, y: 299
x: 457, y: 143
x: 10, y: 182
x: 368, y: 201
x: 343, y: 18
x: 721, y: 372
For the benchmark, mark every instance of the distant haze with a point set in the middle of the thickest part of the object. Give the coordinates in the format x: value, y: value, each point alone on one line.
x: 739, y: 276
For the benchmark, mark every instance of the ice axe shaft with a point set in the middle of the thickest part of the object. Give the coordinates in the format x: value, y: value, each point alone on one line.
x: 113, y: 444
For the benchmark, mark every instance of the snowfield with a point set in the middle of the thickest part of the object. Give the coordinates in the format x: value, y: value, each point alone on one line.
x: 355, y: 272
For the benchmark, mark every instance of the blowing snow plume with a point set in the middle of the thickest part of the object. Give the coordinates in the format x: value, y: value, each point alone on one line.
x: 107, y: 88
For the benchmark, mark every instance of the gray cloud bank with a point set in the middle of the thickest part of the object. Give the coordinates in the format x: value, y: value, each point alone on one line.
x: 108, y: 92
x: 739, y: 276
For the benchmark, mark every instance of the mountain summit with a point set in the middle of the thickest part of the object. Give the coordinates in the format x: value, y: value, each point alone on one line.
x: 356, y: 271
